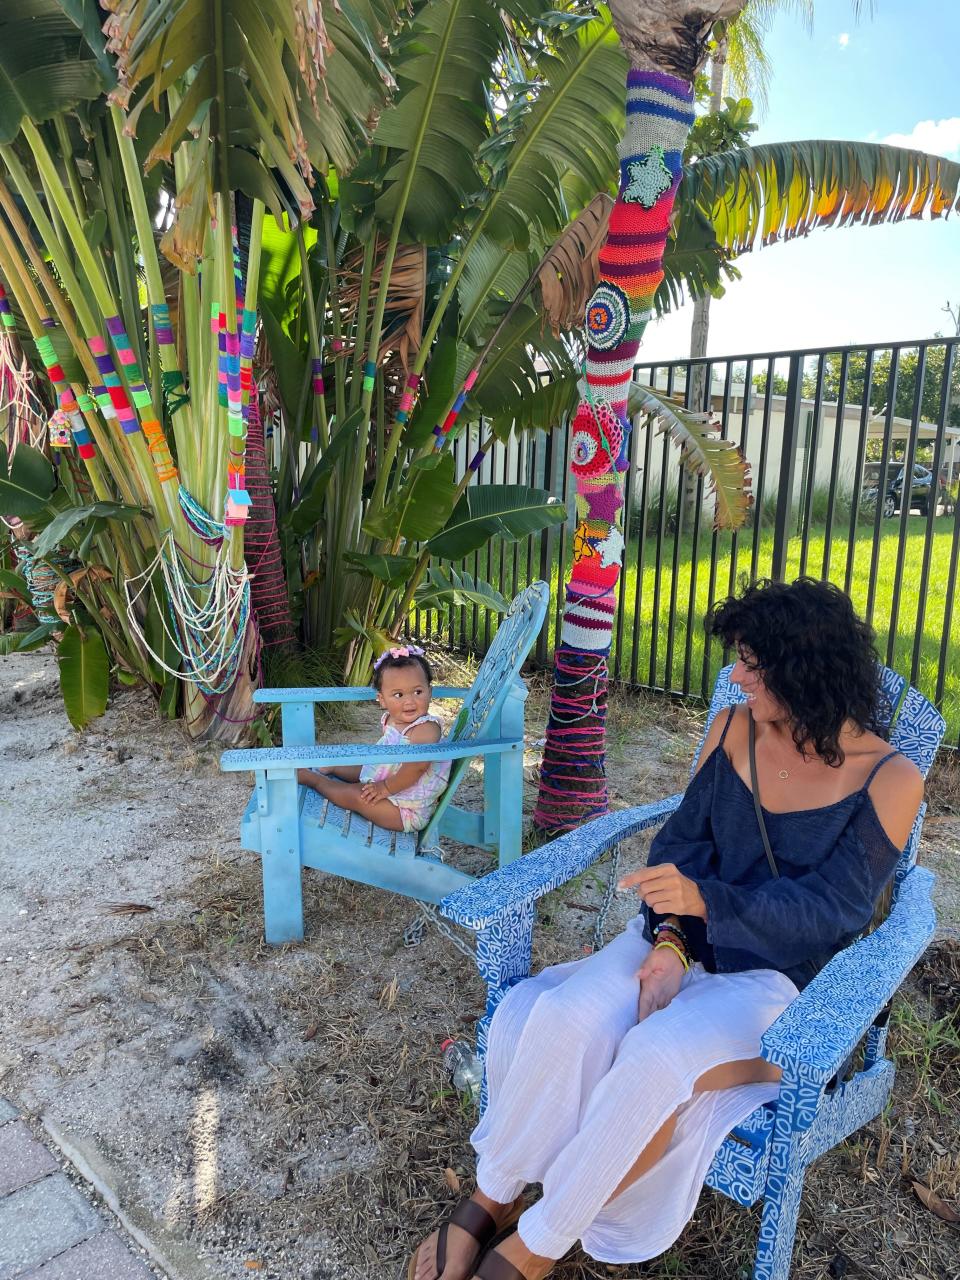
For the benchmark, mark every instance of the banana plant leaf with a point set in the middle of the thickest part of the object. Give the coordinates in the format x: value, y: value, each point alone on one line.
x: 508, y: 511
x: 423, y: 504
x: 435, y: 127
x: 562, y: 136
x: 446, y: 588
x: 394, y: 571
x: 25, y: 488
x: 440, y: 383
x: 51, y: 58
x: 14, y: 585
x: 309, y: 509
x: 96, y: 513
x: 84, y: 675
x: 27, y: 641
x: 289, y: 364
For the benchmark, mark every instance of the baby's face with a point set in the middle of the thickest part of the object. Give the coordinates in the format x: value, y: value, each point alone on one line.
x: 405, y: 693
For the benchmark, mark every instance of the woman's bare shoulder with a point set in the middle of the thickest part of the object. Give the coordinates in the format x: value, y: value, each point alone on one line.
x: 895, y: 791
x: 735, y: 716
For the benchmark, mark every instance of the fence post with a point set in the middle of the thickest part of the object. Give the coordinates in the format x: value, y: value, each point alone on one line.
x: 788, y: 464
x: 546, y: 550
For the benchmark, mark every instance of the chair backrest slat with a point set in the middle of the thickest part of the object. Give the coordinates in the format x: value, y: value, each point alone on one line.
x: 502, y: 663
x: 498, y: 673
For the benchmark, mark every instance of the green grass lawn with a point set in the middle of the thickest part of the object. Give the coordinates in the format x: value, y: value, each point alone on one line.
x: 642, y: 631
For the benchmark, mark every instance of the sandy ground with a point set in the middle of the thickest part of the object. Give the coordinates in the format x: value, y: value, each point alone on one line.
x: 281, y: 1112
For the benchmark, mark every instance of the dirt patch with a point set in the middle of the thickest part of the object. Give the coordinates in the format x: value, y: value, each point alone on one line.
x: 285, y: 1107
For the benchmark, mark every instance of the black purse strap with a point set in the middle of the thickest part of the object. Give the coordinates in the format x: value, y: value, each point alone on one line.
x: 755, y: 787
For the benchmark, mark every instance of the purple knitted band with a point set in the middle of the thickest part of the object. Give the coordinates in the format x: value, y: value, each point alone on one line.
x: 660, y: 80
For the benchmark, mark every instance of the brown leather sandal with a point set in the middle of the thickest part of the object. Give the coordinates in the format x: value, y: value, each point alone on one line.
x: 474, y: 1219
x: 494, y: 1266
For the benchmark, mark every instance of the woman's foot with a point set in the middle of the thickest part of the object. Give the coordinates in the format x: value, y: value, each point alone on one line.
x: 512, y: 1250
x: 462, y: 1249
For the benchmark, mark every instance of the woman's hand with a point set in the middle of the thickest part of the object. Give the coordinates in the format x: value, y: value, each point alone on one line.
x: 373, y: 791
x: 666, y: 891
x: 660, y: 977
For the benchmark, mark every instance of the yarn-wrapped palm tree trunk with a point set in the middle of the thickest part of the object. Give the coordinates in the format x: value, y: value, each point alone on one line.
x: 667, y: 43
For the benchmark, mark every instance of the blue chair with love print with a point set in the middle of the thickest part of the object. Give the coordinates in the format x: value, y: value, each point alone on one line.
x: 814, y: 1041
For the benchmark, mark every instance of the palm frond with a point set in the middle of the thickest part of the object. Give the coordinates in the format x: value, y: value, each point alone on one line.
x: 719, y: 461
x: 569, y: 270
x: 403, y: 319
x: 786, y: 189
x: 255, y: 75
x: 559, y: 132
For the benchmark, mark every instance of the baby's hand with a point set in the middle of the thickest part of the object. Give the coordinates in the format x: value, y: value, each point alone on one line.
x: 373, y: 791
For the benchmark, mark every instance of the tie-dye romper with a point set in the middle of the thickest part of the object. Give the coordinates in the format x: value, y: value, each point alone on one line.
x: 418, y: 802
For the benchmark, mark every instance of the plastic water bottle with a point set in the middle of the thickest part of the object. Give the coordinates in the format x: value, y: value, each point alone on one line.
x: 463, y: 1066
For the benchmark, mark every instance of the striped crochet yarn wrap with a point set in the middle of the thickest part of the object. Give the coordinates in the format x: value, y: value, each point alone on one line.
x: 659, y: 115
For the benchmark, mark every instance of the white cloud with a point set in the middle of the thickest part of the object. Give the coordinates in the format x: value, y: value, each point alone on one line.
x: 843, y: 39
x: 939, y: 137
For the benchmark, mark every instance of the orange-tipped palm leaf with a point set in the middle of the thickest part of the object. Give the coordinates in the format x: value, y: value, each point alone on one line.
x: 780, y: 190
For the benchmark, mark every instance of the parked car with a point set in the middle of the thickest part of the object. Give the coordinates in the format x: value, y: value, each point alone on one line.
x: 920, y: 493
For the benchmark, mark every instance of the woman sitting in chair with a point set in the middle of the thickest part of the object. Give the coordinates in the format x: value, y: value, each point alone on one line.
x: 614, y: 1080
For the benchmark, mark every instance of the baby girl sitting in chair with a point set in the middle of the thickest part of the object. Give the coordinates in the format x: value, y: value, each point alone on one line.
x: 400, y: 797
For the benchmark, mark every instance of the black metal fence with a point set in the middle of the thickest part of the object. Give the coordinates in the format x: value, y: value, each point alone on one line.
x: 855, y: 460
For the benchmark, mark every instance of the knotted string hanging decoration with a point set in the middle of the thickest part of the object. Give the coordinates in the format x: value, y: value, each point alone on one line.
x: 25, y: 410
x: 659, y: 115
x: 207, y: 616
x: 42, y: 579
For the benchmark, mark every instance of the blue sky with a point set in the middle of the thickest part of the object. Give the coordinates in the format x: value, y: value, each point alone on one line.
x: 889, y: 77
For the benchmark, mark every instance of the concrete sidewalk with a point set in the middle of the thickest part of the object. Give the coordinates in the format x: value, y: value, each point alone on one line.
x: 49, y: 1230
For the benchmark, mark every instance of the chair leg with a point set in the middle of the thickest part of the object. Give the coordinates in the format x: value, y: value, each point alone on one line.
x: 281, y: 862
x: 503, y: 959
x: 778, y: 1223
x: 503, y: 784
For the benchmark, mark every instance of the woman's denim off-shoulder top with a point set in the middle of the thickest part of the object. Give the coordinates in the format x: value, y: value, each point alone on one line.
x: 834, y: 863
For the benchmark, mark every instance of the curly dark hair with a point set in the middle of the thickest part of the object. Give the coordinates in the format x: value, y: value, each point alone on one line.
x: 390, y: 663
x: 816, y: 656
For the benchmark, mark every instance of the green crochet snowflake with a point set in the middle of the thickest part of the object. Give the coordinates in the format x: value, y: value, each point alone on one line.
x: 649, y: 178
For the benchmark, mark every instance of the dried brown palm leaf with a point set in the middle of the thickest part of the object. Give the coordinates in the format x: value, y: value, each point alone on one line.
x: 403, y: 327
x: 569, y: 269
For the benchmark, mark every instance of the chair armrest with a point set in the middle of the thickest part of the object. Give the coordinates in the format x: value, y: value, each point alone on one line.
x: 333, y: 693
x: 277, y: 759
x: 815, y: 1034
x: 478, y: 904
x: 317, y: 694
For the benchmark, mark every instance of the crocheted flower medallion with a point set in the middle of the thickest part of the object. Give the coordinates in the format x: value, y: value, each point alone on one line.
x: 607, y: 317
x: 648, y: 178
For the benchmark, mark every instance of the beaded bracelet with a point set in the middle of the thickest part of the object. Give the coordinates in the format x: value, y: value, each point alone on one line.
x: 672, y: 946
x: 666, y: 927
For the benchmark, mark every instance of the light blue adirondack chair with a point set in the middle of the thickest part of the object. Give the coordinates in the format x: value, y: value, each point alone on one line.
x: 812, y: 1041
x: 292, y: 827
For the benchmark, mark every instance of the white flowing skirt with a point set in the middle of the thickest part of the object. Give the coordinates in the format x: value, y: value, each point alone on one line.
x: 577, y: 1089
